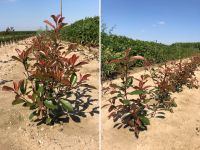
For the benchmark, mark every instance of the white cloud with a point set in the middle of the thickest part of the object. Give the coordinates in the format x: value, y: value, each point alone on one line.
x: 161, y: 23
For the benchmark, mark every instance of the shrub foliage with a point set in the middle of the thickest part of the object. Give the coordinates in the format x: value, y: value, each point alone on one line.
x: 85, y: 31
x: 113, y: 46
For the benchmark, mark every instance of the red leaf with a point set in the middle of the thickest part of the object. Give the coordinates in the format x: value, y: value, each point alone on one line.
x: 55, y: 18
x: 134, y: 58
x: 49, y: 23
x: 116, y: 61
x: 85, y: 77
x: 7, y: 88
x: 73, y: 59
x: 18, y: 51
x: 113, y: 92
x: 81, y: 63
x: 61, y: 19
x: 66, y: 81
x: 16, y: 86
x: 113, y: 85
x: 112, y: 115
x: 72, y: 46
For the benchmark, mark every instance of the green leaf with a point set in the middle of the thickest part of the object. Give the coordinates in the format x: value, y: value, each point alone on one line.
x: 40, y: 90
x: 126, y: 115
x: 126, y: 102
x: 67, y: 105
x: 50, y: 105
x: 174, y: 103
x: 16, y: 58
x: 129, y: 82
x: 17, y: 101
x: 144, y: 120
x: 137, y: 92
x: 23, y: 87
x: 33, y: 114
x: 73, y: 78
x: 48, y: 120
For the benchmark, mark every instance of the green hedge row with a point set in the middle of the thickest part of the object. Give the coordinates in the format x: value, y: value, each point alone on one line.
x: 16, y: 33
x: 8, y: 37
x: 113, y: 45
x: 85, y: 32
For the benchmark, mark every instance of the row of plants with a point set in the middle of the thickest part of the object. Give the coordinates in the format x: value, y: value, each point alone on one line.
x: 53, y: 84
x: 85, y: 32
x: 134, y: 101
x: 15, y: 33
x: 113, y: 46
x: 10, y: 37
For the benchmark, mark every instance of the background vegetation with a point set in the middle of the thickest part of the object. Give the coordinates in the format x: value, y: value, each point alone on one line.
x: 114, y: 45
x: 8, y: 37
x: 85, y: 32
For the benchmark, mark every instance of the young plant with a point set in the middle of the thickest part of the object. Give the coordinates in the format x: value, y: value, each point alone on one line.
x: 51, y: 77
x: 162, y: 89
x: 184, y: 74
x: 131, y: 111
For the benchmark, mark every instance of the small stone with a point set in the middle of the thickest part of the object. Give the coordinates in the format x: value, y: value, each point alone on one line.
x: 40, y: 142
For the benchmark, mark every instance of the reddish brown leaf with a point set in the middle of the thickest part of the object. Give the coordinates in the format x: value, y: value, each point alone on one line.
x: 116, y: 61
x: 49, y: 23
x: 7, y: 88
x: 134, y: 58
x: 16, y: 86
x: 73, y: 59
x: 84, y: 77
x: 81, y: 63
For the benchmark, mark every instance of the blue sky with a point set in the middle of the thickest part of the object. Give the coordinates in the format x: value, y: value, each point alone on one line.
x: 166, y: 21
x: 30, y: 14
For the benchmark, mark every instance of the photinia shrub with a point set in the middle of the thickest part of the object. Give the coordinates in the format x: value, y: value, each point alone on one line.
x: 131, y: 111
x: 162, y: 89
x: 52, y: 75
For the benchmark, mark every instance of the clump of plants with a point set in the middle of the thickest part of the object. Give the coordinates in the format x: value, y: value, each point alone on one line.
x: 51, y: 76
x: 131, y: 111
x: 171, y: 78
x: 184, y: 74
x: 162, y: 89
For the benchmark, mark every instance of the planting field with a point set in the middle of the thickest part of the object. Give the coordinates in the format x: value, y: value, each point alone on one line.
x: 16, y: 130
x: 179, y: 130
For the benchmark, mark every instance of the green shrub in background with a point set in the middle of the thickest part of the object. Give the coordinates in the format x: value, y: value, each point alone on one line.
x: 85, y: 32
x: 113, y: 46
